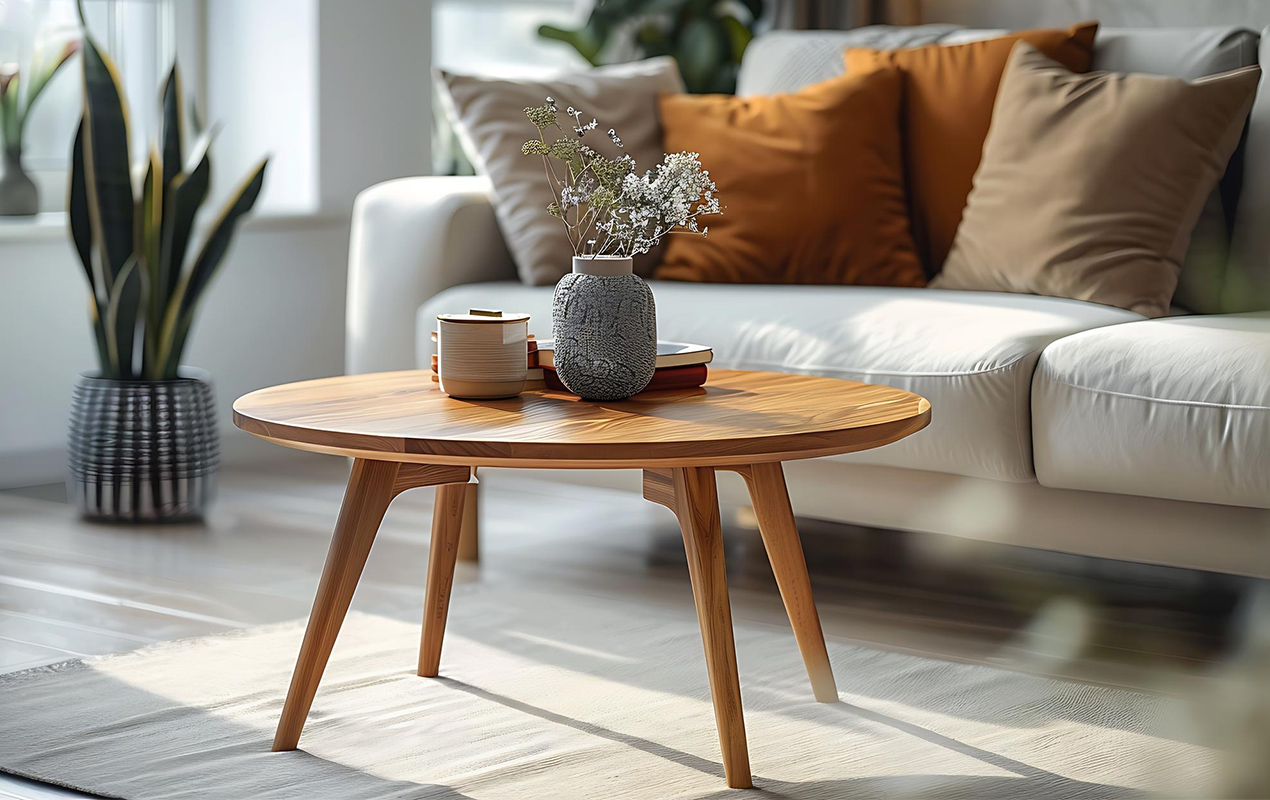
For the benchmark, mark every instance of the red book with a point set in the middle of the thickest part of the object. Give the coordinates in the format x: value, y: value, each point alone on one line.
x: 688, y: 377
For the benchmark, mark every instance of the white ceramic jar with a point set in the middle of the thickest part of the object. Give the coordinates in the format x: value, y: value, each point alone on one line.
x: 482, y: 355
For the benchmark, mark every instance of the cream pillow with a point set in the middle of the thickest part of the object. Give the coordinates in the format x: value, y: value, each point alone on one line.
x: 1090, y: 185
x: 488, y: 116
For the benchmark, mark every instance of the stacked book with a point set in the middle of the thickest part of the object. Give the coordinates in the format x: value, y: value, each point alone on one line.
x: 679, y: 366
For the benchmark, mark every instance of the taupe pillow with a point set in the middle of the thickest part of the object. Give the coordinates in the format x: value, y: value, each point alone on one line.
x: 1090, y: 185
x: 488, y: 116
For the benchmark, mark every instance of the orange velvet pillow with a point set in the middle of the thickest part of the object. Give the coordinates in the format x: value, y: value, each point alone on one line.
x: 811, y: 182
x: 949, y: 91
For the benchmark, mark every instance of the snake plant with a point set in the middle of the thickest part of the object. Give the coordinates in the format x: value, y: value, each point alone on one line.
x: 134, y: 244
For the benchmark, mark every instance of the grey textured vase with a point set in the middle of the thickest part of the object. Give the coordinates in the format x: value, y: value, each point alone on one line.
x: 605, y: 329
x: 18, y: 195
x: 143, y: 451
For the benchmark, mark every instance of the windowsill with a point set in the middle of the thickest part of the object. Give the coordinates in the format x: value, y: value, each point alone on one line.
x: 52, y: 225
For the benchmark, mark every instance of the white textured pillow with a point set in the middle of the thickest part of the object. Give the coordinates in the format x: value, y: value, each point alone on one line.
x: 488, y: 116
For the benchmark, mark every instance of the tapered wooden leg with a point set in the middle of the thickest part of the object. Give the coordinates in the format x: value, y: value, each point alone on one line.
x: 447, y: 522
x: 696, y: 504
x: 370, y: 490
x: 469, y: 533
x: 770, y: 497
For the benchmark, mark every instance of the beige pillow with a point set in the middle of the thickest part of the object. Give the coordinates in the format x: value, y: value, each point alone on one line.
x: 1090, y: 185
x: 488, y: 116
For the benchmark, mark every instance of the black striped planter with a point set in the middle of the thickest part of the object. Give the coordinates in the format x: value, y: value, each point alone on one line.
x: 143, y: 451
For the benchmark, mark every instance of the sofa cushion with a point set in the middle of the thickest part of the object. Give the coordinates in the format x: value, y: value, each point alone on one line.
x: 971, y: 354
x: 949, y: 91
x: 488, y: 117
x: 1191, y: 53
x: 1090, y: 185
x: 785, y: 61
x: 1176, y: 408
x: 813, y: 181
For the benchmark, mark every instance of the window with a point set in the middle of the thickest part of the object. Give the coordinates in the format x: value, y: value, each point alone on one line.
x: 142, y: 37
x: 497, y: 38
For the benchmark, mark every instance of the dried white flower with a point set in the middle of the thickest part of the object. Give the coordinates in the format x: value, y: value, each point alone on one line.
x: 606, y: 206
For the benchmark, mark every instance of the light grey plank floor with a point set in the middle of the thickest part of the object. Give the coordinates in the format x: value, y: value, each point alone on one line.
x: 70, y: 588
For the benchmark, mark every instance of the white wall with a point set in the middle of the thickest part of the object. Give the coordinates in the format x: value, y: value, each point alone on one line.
x: 337, y: 92
x: 275, y: 313
x: 262, y: 88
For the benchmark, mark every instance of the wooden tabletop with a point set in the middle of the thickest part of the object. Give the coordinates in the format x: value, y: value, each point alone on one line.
x: 737, y: 418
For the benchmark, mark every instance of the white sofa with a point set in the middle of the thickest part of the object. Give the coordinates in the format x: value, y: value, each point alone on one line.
x: 1057, y: 424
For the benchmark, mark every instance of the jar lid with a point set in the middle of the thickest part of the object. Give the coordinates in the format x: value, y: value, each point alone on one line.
x: 485, y: 316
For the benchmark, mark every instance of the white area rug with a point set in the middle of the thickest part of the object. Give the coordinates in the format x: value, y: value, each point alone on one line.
x: 558, y: 696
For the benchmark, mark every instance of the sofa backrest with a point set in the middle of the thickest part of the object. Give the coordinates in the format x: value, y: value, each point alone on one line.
x: 1228, y: 265
x: 1018, y: 14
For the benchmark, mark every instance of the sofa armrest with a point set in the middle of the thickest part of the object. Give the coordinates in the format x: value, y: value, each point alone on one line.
x: 411, y: 239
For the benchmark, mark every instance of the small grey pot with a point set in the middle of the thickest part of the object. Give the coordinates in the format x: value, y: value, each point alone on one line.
x: 605, y: 329
x: 18, y: 195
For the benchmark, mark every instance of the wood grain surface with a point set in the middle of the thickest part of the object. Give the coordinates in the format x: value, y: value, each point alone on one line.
x: 775, y: 516
x: 370, y: 490
x: 737, y: 418
x: 690, y: 493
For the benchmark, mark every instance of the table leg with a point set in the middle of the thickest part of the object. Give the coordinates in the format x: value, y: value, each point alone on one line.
x: 370, y: 490
x: 770, y: 497
x: 470, y: 535
x: 690, y: 492
x: 443, y: 551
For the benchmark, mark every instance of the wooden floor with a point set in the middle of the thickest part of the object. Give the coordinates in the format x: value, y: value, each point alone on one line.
x: 70, y: 589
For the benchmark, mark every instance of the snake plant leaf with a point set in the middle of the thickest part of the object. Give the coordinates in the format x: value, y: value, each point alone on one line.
x: 149, y: 220
x: 121, y: 319
x: 106, y: 165
x: 194, y: 282
x: 172, y: 132
x: 77, y: 211
x: 82, y: 236
x: 185, y: 196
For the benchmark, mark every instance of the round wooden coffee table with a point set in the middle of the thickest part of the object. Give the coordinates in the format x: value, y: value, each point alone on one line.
x: 404, y: 433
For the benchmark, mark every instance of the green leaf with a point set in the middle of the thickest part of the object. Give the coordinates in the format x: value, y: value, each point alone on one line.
x: 149, y: 220
x: 46, y: 72
x: 121, y: 319
x: 194, y: 283
x: 739, y: 37
x: 106, y: 165
x: 82, y: 236
x: 184, y: 198
x: 77, y: 211
x: 701, y: 49
x: 653, y: 40
x: 663, y: 6
x: 588, y: 40
x: 10, y: 119
x: 172, y: 131
x: 755, y: 7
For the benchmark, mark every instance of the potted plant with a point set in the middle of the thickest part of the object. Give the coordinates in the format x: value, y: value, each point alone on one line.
x: 20, y: 88
x: 143, y: 439
x: 603, y: 318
